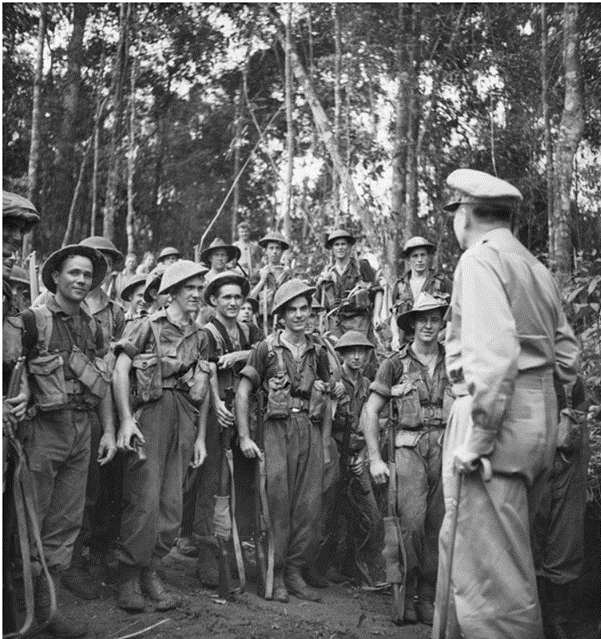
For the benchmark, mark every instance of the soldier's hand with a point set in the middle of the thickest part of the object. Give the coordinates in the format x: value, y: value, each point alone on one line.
x: 320, y: 386
x: 17, y: 406
x: 379, y: 471
x: 249, y: 448
x: 227, y: 361
x: 356, y: 466
x: 9, y: 421
x: 128, y: 429
x: 224, y: 416
x: 338, y: 390
x: 395, y: 344
x: 264, y: 272
x: 107, y: 448
x: 200, y: 454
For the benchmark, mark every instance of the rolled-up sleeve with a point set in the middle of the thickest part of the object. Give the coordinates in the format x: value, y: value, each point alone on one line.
x: 567, y: 352
x: 134, y: 338
x: 384, y: 379
x: 489, y: 345
x: 256, y: 365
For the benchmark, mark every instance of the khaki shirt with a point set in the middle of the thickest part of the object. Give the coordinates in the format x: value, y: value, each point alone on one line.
x: 505, y: 318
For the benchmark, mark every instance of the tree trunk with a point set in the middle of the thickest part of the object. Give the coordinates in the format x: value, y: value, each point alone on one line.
x: 286, y: 226
x: 131, y: 161
x: 570, y: 133
x: 337, y: 108
x: 34, y: 148
x: 67, y: 141
x: 67, y: 238
x: 413, y: 120
x: 546, y: 123
x: 237, y: 143
x: 325, y: 129
x: 119, y: 71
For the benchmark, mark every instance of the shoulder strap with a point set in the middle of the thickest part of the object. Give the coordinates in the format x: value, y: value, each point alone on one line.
x: 245, y: 331
x: 279, y: 353
x: 156, y: 333
x: 43, y: 323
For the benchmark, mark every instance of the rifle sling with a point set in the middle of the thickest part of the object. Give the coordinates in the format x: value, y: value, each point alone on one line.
x: 236, y: 539
x: 269, y: 530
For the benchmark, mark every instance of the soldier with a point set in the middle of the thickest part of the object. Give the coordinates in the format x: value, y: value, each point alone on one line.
x: 419, y: 278
x: 415, y: 380
x: 506, y: 339
x: 272, y: 275
x: 168, y: 256
x: 152, y: 297
x: 293, y: 370
x: 133, y: 294
x: 21, y: 288
x: 167, y: 352
x: 69, y: 380
x: 249, y: 311
x: 349, y: 291
x: 229, y: 346
x: 217, y: 256
x: 361, y: 558
x: 19, y: 216
x: 250, y: 253
x: 129, y: 270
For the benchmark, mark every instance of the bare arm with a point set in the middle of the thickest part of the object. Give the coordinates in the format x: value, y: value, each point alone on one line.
x: 121, y: 389
x: 108, y: 445
x: 375, y: 403
x: 247, y: 446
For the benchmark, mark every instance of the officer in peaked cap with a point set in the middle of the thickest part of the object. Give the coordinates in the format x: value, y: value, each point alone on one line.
x: 419, y: 278
x: 506, y: 340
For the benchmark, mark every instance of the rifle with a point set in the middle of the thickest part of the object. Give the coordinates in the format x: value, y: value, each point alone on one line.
x: 225, y: 511
x: 394, y: 551
x: 263, y: 529
x: 27, y: 521
x: 33, y: 276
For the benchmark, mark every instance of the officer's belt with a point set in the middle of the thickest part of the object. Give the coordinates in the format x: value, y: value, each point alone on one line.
x: 299, y: 405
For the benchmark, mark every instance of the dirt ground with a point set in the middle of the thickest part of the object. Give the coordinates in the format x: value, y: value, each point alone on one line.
x: 345, y: 612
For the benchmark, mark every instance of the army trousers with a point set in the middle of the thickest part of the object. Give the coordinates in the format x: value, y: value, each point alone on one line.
x: 493, y: 582
x: 420, y: 506
x: 59, y: 455
x: 152, y: 488
x: 294, y: 467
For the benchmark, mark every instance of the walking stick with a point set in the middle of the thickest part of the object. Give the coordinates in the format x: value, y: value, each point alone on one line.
x: 486, y: 472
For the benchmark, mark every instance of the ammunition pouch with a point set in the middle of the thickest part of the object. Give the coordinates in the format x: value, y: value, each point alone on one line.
x: 317, y: 404
x: 199, y: 386
x: 278, y: 397
x: 570, y: 431
x: 414, y: 408
x: 48, y: 371
x: 148, y: 384
x: 95, y: 377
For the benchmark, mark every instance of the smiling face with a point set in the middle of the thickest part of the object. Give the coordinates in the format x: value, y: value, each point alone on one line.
x: 218, y: 260
x: 74, y: 279
x: 427, y: 326
x: 419, y: 261
x: 228, y: 300
x: 296, y: 314
x: 187, y: 295
x: 341, y: 249
x: 138, y: 303
x: 354, y: 357
x: 12, y: 238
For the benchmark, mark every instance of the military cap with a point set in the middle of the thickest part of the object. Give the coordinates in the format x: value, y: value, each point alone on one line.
x: 19, y: 276
x: 153, y: 282
x: 54, y: 262
x: 339, y: 234
x: 233, y: 252
x: 353, y: 339
x: 18, y: 207
x: 178, y: 272
x: 105, y: 246
x: 167, y: 252
x: 424, y: 302
x: 227, y: 277
x: 418, y: 242
x: 254, y: 302
x: 275, y: 236
x: 291, y: 290
x: 476, y: 187
x: 135, y: 282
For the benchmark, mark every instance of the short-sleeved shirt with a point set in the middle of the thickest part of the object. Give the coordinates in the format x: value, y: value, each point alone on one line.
x: 405, y: 362
x: 272, y: 283
x: 313, y: 365
x: 182, y: 345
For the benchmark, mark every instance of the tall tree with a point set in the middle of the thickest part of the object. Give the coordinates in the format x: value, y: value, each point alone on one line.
x: 131, y: 161
x: 289, y: 124
x: 119, y: 72
x: 337, y: 105
x: 34, y: 148
x: 570, y: 134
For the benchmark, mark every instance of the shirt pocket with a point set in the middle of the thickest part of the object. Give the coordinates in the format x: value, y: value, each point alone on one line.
x: 49, y: 375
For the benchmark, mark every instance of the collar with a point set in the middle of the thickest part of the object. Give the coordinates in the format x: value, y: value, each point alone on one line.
x: 411, y: 353
x: 55, y: 307
x: 344, y: 375
x: 500, y: 233
x: 308, y: 337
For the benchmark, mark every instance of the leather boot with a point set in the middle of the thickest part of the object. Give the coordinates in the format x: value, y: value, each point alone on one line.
x: 279, y: 589
x: 59, y: 626
x: 410, y: 593
x: 297, y: 586
x: 76, y: 578
x: 314, y: 577
x: 154, y: 588
x: 129, y: 593
x: 425, y: 603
